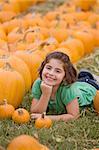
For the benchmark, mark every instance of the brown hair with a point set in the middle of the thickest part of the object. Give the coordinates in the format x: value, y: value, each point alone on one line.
x: 70, y: 71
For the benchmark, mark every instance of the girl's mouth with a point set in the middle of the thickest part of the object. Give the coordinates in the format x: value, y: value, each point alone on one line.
x: 49, y: 78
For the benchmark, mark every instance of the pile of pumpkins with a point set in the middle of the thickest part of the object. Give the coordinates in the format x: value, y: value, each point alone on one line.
x: 72, y: 28
x: 21, y: 115
x: 12, y: 8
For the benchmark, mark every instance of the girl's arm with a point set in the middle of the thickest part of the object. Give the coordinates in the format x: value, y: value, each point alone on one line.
x: 72, y: 113
x: 40, y: 106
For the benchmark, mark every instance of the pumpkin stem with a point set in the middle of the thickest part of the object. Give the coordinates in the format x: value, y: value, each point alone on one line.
x: 5, y: 101
x: 4, y: 56
x: 43, y: 115
x: 25, y: 34
x: 20, y: 112
x: 7, y: 66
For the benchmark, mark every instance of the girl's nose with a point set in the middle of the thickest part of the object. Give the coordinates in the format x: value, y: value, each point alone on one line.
x: 51, y: 72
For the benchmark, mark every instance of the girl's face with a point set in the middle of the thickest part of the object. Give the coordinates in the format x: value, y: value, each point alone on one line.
x: 53, y: 72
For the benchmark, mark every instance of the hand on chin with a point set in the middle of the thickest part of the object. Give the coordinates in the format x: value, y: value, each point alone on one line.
x: 48, y: 83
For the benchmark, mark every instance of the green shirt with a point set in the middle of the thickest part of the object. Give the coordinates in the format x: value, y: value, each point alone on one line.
x: 83, y: 91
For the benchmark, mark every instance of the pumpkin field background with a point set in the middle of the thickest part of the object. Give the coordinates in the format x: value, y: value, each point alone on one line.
x: 80, y: 134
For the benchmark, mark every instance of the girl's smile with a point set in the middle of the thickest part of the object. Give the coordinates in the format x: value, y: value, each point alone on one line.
x: 53, y: 72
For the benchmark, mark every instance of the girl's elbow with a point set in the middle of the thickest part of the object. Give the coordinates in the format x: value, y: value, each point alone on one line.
x: 76, y: 116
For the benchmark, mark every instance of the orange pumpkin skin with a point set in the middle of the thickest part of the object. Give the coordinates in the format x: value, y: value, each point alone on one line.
x: 84, y: 4
x: 11, y: 82
x: 76, y: 48
x: 33, y: 60
x: 21, y: 115
x: 20, y: 66
x: 25, y: 142
x: 6, y: 110
x: 87, y: 39
x: 96, y: 102
x: 43, y: 122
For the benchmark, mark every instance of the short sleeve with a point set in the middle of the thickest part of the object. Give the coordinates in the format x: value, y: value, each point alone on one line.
x: 69, y: 94
x: 36, y: 91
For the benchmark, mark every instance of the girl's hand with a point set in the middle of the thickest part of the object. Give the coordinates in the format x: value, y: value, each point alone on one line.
x: 35, y: 116
x: 46, y: 89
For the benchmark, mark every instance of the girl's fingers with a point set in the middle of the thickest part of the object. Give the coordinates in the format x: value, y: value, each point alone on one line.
x: 35, y: 116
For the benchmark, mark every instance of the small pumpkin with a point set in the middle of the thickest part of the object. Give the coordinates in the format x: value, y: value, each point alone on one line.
x: 21, y: 115
x: 96, y: 102
x: 6, y: 110
x: 43, y: 122
x: 25, y: 142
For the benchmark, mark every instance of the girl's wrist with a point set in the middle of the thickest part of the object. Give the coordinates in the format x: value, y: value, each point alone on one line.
x: 46, y: 96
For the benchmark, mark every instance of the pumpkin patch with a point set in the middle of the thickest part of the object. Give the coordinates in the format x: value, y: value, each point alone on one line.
x: 27, y: 35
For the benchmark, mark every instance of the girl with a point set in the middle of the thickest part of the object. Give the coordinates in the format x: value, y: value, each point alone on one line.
x: 57, y: 91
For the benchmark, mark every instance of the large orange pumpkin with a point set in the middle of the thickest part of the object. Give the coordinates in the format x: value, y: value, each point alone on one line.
x: 12, y: 86
x: 68, y: 52
x: 87, y: 38
x: 33, y: 60
x: 20, y: 66
x: 25, y: 142
x: 75, y: 46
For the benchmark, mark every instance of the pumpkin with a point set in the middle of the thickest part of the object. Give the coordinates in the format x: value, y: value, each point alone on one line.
x: 3, y: 45
x: 67, y: 52
x: 51, y: 15
x: 15, y: 35
x: 11, y: 7
x: 8, y: 26
x: 32, y: 35
x: 6, y: 15
x: 43, y: 122
x: 6, y: 110
x: 25, y: 142
x: 60, y: 34
x: 2, y: 34
x: 12, y: 86
x: 20, y: 66
x: 33, y: 20
x: 21, y: 115
x: 33, y: 60
x: 96, y: 102
x: 84, y: 4
x: 75, y: 46
x: 87, y: 38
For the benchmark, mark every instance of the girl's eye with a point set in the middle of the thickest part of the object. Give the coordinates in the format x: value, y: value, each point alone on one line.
x: 58, y: 71
x: 48, y: 67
